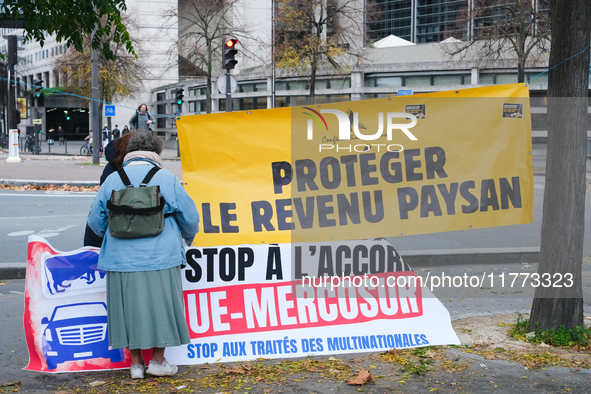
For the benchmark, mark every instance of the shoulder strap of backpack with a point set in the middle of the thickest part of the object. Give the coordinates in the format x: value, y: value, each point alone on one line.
x: 149, y: 176
x: 124, y: 178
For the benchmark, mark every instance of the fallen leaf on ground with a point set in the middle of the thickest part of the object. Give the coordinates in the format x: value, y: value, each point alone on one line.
x: 10, y: 384
x: 490, y: 357
x: 234, y: 370
x: 363, y: 377
x: 393, y: 351
x: 452, y: 383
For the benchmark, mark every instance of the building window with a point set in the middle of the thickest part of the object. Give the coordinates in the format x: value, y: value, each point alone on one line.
x: 197, y: 107
x: 486, y: 79
x: 247, y: 87
x: 281, y: 86
x: 424, y: 80
x: 506, y: 78
x: 260, y: 87
x: 281, y: 101
x: 301, y: 85
x: 160, y: 96
x: 161, y: 121
x: 388, y: 82
x: 439, y: 80
x: 543, y: 79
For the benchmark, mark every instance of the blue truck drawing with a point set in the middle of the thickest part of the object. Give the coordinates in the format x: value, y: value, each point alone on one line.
x: 77, y: 332
x: 70, y: 268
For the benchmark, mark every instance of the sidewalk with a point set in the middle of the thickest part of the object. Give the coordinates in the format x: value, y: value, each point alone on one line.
x: 59, y: 168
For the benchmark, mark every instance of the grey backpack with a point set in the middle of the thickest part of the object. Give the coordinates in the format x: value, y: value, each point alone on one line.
x: 136, y: 212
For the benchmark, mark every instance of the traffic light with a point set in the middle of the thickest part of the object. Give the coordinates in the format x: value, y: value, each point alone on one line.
x: 38, y: 85
x: 179, y: 95
x: 228, y: 52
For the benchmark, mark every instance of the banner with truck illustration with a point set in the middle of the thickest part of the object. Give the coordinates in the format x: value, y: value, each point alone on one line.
x: 242, y: 302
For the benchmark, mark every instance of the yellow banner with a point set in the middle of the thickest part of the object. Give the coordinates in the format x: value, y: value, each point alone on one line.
x: 385, y: 167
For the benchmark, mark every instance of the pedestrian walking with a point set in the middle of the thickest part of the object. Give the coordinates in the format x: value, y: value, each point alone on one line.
x: 50, y: 137
x: 61, y: 133
x: 106, y: 135
x: 125, y: 130
x: 141, y: 119
x: 144, y: 294
x: 116, y: 132
x: 89, y: 139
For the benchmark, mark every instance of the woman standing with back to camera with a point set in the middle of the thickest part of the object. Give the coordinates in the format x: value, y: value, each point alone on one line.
x: 144, y: 293
x: 142, y: 119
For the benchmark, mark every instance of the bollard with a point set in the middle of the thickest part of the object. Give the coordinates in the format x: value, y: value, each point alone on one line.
x: 13, y: 145
x: 66, y: 144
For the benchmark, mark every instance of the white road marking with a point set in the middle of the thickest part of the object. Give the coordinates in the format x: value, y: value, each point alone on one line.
x: 21, y: 233
x: 43, y: 217
x: 47, y: 195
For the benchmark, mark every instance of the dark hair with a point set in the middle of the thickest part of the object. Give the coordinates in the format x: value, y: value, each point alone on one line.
x: 140, y: 106
x: 146, y: 141
x: 121, y: 148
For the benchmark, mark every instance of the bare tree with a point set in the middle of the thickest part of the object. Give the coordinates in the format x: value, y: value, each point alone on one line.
x: 312, y: 34
x: 203, y: 24
x: 497, y: 29
x: 118, y: 78
x: 561, y: 251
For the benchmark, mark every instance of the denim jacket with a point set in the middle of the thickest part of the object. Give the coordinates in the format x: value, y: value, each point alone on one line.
x: 163, y: 251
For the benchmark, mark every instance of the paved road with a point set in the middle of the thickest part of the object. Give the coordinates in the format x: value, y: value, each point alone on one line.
x: 60, y: 217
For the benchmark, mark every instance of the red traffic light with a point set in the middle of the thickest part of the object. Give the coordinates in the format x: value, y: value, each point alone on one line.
x: 231, y: 42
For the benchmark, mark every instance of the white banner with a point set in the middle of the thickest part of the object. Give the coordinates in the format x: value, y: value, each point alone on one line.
x: 241, y: 303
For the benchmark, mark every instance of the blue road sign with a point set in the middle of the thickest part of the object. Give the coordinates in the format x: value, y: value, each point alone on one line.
x: 109, y: 110
x: 403, y: 92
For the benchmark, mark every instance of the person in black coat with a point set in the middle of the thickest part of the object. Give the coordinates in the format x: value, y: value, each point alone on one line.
x: 61, y: 133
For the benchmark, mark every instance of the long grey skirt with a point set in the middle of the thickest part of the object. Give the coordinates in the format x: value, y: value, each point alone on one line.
x: 146, y: 309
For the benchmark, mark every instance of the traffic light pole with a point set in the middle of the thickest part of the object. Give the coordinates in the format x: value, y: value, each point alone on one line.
x: 228, y: 92
x: 11, y: 99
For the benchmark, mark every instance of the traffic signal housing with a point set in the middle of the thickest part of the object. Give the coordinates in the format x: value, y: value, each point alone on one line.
x: 229, y: 51
x: 179, y: 95
x: 37, y: 94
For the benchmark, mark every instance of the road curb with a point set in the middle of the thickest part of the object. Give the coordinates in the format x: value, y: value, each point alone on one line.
x: 414, y: 259
x: 13, y: 271
x: 24, y: 182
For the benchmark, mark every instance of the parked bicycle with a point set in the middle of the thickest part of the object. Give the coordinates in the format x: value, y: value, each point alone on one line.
x: 4, y: 142
x: 30, y: 144
x: 86, y: 150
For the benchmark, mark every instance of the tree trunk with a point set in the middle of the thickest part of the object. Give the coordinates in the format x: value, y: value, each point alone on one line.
x: 564, y: 196
x: 313, y: 69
